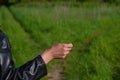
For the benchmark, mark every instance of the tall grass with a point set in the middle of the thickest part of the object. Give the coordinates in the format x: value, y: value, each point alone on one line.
x: 94, y: 32
x: 23, y: 48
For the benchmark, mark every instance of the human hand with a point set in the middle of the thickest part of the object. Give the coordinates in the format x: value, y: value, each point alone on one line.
x: 59, y: 51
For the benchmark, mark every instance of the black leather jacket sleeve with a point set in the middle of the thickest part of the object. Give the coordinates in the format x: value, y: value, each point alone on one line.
x: 32, y: 70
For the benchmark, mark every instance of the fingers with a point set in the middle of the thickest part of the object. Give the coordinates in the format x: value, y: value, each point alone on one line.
x: 67, y: 49
x: 65, y: 54
x: 62, y: 56
x: 60, y: 50
x: 70, y: 45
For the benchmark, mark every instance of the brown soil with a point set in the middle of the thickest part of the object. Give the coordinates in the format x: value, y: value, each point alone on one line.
x: 56, y: 73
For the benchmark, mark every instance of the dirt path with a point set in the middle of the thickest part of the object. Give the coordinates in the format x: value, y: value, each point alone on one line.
x: 56, y: 73
x: 57, y: 69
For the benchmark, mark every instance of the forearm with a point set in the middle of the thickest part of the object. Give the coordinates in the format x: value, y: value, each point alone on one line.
x: 46, y: 56
x: 59, y: 51
x: 32, y: 70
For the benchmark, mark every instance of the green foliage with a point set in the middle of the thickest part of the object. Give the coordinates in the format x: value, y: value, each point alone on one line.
x: 23, y: 48
x: 11, y: 1
x: 94, y: 31
x: 38, y: 1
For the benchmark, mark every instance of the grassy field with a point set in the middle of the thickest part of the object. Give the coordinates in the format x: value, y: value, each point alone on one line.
x: 23, y: 46
x: 94, y: 32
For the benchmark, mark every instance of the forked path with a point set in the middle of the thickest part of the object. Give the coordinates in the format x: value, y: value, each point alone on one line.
x: 58, y: 69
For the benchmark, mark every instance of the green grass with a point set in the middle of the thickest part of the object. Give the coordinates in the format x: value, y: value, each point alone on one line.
x: 94, y: 32
x: 23, y: 48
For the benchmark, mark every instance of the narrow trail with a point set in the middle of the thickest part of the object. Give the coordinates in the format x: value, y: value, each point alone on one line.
x: 56, y: 73
x: 93, y: 36
x: 57, y: 69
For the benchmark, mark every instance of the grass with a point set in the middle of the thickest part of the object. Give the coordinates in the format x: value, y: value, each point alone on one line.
x: 94, y: 32
x: 22, y: 46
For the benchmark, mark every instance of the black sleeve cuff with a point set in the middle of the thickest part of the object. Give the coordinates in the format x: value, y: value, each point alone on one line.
x: 32, y: 70
x: 43, y: 69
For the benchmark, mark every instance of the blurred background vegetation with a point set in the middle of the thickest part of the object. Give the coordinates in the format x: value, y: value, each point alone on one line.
x: 10, y: 2
x: 93, y: 26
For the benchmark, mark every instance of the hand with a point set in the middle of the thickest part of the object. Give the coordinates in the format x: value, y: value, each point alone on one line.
x: 59, y: 51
